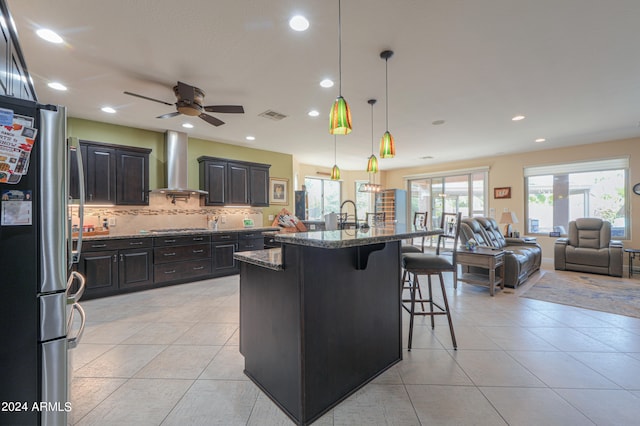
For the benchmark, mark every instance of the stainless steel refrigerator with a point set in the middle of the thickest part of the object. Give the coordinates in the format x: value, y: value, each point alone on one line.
x: 36, y: 304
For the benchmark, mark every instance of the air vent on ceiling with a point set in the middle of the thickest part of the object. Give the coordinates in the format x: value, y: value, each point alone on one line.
x: 272, y: 115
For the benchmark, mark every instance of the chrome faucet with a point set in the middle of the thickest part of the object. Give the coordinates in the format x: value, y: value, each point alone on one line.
x: 355, y: 210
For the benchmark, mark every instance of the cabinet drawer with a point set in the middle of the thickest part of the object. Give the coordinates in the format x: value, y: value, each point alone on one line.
x: 251, y: 244
x: 180, y: 240
x: 115, y: 244
x: 181, y: 253
x: 249, y: 235
x: 224, y: 237
x: 181, y: 270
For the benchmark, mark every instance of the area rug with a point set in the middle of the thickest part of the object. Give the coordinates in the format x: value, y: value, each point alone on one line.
x: 601, y: 293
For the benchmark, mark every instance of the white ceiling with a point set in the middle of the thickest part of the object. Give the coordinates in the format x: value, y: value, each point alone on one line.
x: 570, y: 66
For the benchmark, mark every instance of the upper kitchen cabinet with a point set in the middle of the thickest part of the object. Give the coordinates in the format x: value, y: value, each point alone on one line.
x: 113, y: 174
x: 231, y: 182
x: 14, y: 77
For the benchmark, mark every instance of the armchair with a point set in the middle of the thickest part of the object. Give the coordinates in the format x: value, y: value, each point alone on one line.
x: 589, y: 248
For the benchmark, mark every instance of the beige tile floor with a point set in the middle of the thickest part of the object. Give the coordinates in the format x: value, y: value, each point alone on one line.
x: 170, y: 356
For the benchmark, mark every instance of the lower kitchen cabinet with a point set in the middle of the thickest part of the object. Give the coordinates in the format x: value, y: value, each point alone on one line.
x: 111, y: 267
x: 183, y: 258
x: 223, y: 246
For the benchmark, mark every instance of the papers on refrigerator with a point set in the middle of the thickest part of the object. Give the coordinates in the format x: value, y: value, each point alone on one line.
x: 16, y: 143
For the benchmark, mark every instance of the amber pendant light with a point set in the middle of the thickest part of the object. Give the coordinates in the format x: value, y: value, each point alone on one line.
x: 387, y: 144
x: 340, y: 115
x: 335, y: 172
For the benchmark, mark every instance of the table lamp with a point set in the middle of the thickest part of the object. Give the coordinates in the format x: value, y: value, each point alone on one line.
x: 509, y: 218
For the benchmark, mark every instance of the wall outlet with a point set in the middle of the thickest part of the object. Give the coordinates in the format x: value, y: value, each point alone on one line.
x: 312, y: 227
x: 270, y: 217
x: 112, y: 221
x: 223, y: 219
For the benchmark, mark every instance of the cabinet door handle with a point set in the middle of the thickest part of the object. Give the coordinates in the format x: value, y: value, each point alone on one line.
x: 169, y: 241
x: 249, y: 246
x: 137, y: 243
x: 98, y: 245
x: 197, y: 251
x: 173, y: 271
x: 198, y: 238
x: 225, y: 237
x: 122, y: 258
x: 198, y: 268
x: 115, y: 258
x: 169, y: 254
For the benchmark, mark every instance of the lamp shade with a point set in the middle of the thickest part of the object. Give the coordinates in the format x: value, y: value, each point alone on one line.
x: 335, y: 172
x: 387, y: 146
x: 372, y: 165
x: 508, y: 217
x: 340, y: 117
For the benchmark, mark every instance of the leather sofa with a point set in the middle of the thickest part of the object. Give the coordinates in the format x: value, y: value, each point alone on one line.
x: 589, y: 248
x: 522, y: 257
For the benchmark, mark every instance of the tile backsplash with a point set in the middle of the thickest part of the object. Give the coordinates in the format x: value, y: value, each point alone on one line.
x: 161, y: 213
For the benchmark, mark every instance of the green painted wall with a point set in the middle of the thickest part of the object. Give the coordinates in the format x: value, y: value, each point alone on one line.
x: 281, y: 164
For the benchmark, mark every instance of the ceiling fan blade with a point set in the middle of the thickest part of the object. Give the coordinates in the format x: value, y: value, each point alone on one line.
x: 228, y: 109
x: 147, y: 98
x: 186, y: 92
x: 211, y: 119
x: 169, y: 115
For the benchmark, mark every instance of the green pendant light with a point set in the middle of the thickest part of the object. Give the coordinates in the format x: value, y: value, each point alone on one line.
x: 340, y: 115
x: 372, y: 164
x: 335, y: 172
x: 387, y: 144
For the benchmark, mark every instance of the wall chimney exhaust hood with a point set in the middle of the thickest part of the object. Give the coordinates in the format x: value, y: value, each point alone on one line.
x: 177, y: 168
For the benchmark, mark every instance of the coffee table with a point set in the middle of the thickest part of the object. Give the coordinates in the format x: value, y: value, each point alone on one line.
x: 482, y: 257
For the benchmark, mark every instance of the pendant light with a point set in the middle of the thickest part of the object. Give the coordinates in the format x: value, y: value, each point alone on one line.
x: 335, y: 172
x: 372, y: 164
x: 340, y: 115
x: 387, y: 144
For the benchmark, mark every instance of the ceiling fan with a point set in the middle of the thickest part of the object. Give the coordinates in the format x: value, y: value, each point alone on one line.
x: 190, y: 101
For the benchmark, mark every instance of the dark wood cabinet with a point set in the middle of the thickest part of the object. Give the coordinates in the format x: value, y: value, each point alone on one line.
x: 181, y: 258
x: 223, y: 246
x: 234, y: 182
x: 248, y: 241
x: 113, y: 265
x: 14, y: 78
x: 132, y: 183
x: 213, y: 179
x: 113, y: 174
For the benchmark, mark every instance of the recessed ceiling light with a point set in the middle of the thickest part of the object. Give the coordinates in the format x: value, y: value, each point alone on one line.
x: 540, y: 140
x: 49, y: 35
x: 438, y: 122
x: 313, y: 113
x: 187, y: 125
x: 299, y: 23
x: 518, y: 118
x: 109, y: 110
x: 57, y: 86
x: 250, y: 138
x: 326, y: 83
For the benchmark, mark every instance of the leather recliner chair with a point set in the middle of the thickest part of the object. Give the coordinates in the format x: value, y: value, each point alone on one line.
x: 589, y: 248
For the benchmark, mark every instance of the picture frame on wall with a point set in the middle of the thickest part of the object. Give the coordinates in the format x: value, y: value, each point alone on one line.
x: 504, y: 192
x: 279, y: 191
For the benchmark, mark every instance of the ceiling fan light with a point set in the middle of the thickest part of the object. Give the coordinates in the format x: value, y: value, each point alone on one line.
x: 387, y: 146
x: 340, y: 117
x: 335, y: 172
x: 372, y: 165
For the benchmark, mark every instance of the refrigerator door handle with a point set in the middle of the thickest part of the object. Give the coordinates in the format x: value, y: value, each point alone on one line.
x: 72, y: 342
x: 75, y: 297
x: 75, y: 256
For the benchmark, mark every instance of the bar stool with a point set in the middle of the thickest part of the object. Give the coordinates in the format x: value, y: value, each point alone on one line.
x: 419, y: 223
x: 429, y: 264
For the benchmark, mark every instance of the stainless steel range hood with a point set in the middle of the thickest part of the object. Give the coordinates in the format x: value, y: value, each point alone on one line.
x: 177, y: 167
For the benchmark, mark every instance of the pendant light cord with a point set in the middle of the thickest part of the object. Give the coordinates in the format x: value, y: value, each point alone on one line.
x: 339, y: 48
x: 386, y: 88
x: 371, y: 128
x: 335, y: 150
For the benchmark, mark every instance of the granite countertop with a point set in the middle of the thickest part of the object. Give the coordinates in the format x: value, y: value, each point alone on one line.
x: 352, y: 237
x: 269, y: 258
x: 184, y: 231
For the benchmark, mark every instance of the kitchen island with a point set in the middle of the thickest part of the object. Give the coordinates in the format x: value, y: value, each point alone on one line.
x: 320, y: 317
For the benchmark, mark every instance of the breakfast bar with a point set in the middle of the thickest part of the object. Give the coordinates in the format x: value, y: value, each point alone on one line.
x: 320, y: 316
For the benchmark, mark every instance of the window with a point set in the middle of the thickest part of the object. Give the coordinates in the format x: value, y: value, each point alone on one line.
x: 323, y: 196
x: 559, y: 194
